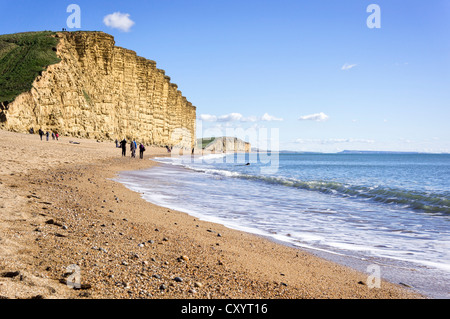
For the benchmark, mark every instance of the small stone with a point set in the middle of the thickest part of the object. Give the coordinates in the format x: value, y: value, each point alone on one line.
x: 156, y: 276
x: 198, y: 285
x: 178, y: 279
x: 162, y: 287
x: 124, y: 263
x: 141, y: 245
x: 10, y: 274
x: 151, y: 241
x: 165, y: 239
x: 192, y: 291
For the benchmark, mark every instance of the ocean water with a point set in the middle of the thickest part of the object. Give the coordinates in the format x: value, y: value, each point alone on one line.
x: 389, y: 210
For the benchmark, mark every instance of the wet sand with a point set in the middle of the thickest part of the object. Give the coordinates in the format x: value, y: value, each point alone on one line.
x: 61, y: 211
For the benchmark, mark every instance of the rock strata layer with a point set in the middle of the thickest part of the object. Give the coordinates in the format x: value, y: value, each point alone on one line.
x: 102, y: 91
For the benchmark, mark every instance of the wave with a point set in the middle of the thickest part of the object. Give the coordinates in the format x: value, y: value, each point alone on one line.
x: 422, y: 201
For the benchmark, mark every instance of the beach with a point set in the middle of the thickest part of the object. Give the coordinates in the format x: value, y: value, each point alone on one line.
x: 62, y: 214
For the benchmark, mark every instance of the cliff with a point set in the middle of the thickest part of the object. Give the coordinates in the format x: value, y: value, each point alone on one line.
x: 102, y: 91
x: 224, y: 145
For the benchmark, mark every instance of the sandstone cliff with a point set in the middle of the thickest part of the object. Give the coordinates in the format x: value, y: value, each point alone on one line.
x: 225, y: 145
x: 102, y: 91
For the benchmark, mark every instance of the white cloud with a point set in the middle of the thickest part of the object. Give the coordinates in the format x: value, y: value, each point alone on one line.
x: 269, y: 118
x: 318, y: 117
x: 230, y: 117
x: 348, y: 66
x: 237, y: 117
x: 118, y: 20
x: 208, y: 117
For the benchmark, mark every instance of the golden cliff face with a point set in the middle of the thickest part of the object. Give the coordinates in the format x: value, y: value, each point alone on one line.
x: 102, y: 91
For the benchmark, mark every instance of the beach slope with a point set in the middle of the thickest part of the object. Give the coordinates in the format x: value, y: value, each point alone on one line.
x: 64, y: 221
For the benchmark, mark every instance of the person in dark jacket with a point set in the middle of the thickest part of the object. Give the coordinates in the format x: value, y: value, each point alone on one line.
x: 123, y: 145
x: 141, y: 151
x: 133, y: 149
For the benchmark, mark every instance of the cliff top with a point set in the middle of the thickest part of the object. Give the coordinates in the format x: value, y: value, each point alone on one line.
x: 23, y: 56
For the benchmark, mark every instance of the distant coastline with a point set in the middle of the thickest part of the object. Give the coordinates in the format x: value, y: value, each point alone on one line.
x: 350, y: 152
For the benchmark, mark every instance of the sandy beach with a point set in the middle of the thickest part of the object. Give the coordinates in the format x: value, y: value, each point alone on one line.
x: 61, y: 211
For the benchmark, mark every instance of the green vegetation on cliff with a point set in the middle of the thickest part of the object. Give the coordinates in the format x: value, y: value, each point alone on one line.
x: 203, y: 142
x: 22, y: 57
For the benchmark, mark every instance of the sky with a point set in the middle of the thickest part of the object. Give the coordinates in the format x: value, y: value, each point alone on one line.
x: 315, y: 75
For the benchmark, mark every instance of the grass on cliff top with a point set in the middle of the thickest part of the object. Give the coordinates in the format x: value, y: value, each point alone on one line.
x: 203, y: 142
x: 22, y: 57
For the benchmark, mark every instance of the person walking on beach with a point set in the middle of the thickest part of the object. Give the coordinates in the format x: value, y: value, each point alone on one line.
x: 41, y: 133
x: 133, y: 149
x: 57, y: 135
x: 141, y: 151
x: 123, y: 144
x: 47, y: 134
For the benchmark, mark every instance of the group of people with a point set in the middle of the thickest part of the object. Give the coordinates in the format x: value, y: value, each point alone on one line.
x: 133, y: 148
x: 55, y: 135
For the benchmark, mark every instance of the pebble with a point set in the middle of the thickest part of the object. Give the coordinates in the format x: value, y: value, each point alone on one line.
x: 178, y: 279
x: 10, y: 274
x: 198, y: 285
x: 405, y: 284
x: 162, y: 287
x: 183, y: 258
x: 141, y: 245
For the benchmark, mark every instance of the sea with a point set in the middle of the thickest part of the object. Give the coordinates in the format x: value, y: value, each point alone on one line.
x: 384, y: 214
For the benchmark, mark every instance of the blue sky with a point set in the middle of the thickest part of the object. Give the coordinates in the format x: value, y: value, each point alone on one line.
x: 312, y: 73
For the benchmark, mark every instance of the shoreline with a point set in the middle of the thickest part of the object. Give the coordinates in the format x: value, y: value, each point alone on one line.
x: 402, y: 272
x: 68, y: 211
